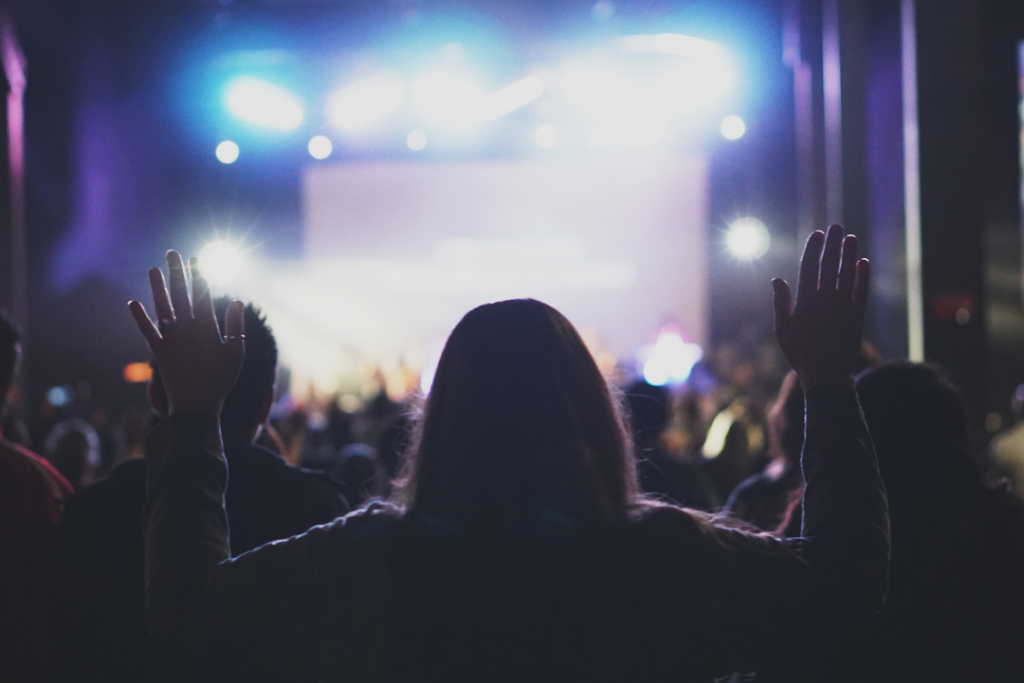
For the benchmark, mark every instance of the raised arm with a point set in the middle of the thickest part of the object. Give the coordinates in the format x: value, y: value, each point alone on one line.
x: 775, y: 598
x: 256, y: 614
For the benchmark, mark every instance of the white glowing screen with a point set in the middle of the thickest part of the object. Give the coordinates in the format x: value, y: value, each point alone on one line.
x: 398, y: 252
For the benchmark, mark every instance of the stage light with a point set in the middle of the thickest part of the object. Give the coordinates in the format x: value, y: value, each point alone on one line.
x: 671, y: 360
x: 546, y: 135
x: 747, y: 239
x: 264, y: 104
x: 416, y: 140
x: 448, y: 99
x: 221, y: 261
x: 365, y: 101
x: 512, y: 97
x: 227, y: 152
x: 320, y: 147
x: 733, y: 127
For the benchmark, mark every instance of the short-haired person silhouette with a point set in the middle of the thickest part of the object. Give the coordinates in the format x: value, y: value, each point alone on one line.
x: 955, y: 611
x: 519, y: 547
x: 94, y: 624
x: 32, y: 495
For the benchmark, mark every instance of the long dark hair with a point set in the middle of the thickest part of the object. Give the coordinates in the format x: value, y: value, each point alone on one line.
x: 519, y: 421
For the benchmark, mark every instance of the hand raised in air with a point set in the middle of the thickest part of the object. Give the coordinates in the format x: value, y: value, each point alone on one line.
x: 198, y: 366
x: 821, y: 335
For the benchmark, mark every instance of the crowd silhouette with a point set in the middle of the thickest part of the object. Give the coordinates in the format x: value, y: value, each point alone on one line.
x: 530, y: 522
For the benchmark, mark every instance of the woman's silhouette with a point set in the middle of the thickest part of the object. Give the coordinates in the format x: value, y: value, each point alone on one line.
x: 518, y: 547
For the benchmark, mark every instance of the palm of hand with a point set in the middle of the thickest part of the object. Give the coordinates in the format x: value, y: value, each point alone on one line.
x: 821, y: 336
x: 198, y: 366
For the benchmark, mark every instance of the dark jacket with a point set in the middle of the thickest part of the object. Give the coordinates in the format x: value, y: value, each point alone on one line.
x: 95, y: 628
x: 665, y: 595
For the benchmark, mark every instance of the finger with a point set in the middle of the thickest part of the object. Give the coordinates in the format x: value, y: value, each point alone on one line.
x: 830, y: 258
x: 179, y: 286
x: 783, y: 300
x: 146, y: 326
x: 162, y: 305
x: 202, y: 300
x: 807, y: 280
x: 860, y: 286
x: 848, y: 269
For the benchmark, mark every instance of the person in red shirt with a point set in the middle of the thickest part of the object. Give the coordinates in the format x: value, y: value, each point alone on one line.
x: 32, y: 494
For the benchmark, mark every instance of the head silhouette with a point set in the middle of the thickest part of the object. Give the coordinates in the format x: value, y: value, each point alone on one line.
x: 248, y: 404
x: 519, y: 421
x: 919, y: 427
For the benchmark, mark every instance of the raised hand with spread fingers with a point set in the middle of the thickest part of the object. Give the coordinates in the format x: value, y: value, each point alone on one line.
x: 821, y: 334
x: 198, y: 366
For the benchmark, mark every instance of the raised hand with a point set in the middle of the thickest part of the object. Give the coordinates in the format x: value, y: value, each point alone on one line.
x: 821, y: 335
x: 198, y: 366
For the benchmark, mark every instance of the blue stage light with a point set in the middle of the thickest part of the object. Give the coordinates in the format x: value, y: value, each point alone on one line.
x: 263, y: 104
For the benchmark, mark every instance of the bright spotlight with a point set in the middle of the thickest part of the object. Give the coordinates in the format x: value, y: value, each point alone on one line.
x: 512, y: 97
x: 448, y: 99
x: 546, y: 135
x: 320, y: 147
x: 733, y: 127
x: 747, y: 239
x: 221, y: 261
x: 264, y: 104
x: 671, y: 360
x: 227, y: 152
x: 416, y: 140
x: 365, y: 101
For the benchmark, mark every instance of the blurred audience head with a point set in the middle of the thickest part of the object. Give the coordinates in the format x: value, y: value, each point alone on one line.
x: 356, y: 467
x: 73, y: 448
x: 920, y: 430
x: 519, y: 421
x: 248, y: 404
x: 10, y: 354
x: 650, y: 409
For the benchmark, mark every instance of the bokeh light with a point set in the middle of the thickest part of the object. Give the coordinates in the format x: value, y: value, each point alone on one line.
x: 227, y: 152
x: 366, y: 101
x: 733, y: 127
x: 263, y: 104
x: 416, y: 140
x: 320, y: 147
x: 747, y: 239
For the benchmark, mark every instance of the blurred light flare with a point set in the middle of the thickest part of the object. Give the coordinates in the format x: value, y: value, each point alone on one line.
x: 747, y: 239
x: 416, y: 140
x: 670, y: 360
x: 320, y: 147
x: 221, y: 261
x: 364, y: 102
x: 136, y: 373
x: 264, y: 104
x: 733, y: 127
x: 59, y: 396
x: 227, y: 152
